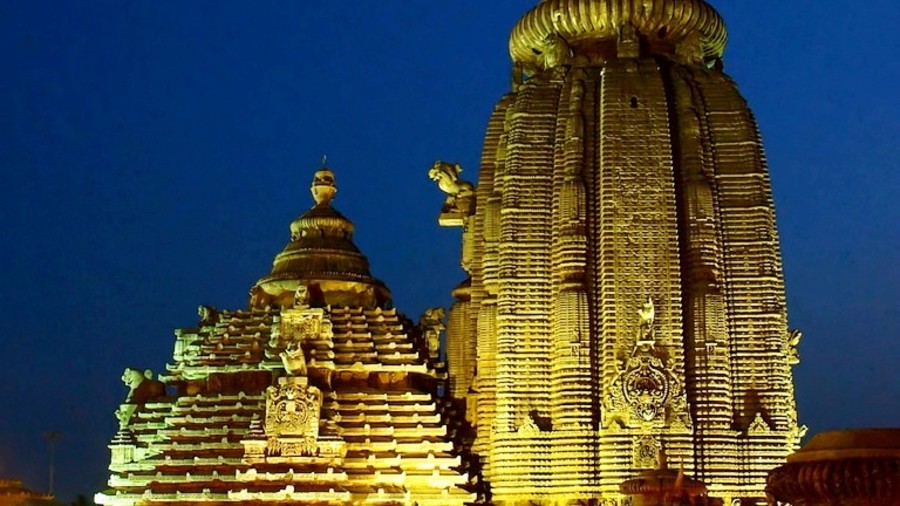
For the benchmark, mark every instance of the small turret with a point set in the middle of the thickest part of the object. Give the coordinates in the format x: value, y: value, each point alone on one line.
x: 320, y: 265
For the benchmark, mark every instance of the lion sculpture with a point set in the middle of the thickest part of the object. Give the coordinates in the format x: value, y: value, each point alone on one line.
x: 553, y: 51
x: 142, y: 386
x: 447, y: 177
x: 459, y: 192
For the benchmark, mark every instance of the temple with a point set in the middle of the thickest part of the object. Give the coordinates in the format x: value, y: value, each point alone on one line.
x: 624, y: 295
x: 620, y: 336
x: 319, y: 393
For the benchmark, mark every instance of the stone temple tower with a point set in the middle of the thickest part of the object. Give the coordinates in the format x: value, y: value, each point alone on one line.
x: 625, y: 299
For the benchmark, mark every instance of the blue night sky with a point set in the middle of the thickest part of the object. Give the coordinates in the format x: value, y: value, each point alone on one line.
x: 154, y: 153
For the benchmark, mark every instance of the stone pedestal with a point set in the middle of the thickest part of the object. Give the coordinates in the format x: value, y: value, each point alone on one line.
x: 666, y: 487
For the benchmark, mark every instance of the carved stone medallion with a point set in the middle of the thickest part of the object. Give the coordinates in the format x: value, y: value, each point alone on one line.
x: 646, y: 452
x: 292, y: 418
x: 644, y: 387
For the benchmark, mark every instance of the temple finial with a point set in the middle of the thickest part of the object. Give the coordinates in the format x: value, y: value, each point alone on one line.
x: 323, y: 185
x: 324, y: 161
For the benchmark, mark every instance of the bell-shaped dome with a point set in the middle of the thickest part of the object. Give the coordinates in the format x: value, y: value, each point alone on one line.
x: 321, y: 265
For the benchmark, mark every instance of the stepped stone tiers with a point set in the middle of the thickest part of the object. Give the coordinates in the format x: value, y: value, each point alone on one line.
x: 844, y: 468
x: 625, y: 292
x: 318, y: 393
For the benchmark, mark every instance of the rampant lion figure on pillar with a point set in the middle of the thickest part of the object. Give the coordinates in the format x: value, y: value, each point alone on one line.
x: 459, y: 192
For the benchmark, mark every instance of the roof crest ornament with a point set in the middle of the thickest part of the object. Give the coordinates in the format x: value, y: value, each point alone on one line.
x: 323, y: 185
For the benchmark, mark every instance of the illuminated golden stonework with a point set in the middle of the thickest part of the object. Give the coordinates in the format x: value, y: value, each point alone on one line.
x: 319, y: 393
x: 597, y: 28
x: 624, y: 301
x: 625, y: 292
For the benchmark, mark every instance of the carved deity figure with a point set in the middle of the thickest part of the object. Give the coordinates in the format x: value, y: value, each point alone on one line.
x: 301, y: 296
x: 432, y: 325
x: 123, y: 414
x: 142, y: 387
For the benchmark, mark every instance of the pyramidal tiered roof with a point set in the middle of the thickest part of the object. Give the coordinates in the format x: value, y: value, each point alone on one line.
x: 319, y: 393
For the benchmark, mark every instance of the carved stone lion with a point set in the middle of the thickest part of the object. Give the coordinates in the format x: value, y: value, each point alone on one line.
x: 142, y: 386
x: 793, y: 343
x: 208, y: 315
x: 447, y: 177
x: 293, y: 358
x: 553, y: 51
x: 460, y: 194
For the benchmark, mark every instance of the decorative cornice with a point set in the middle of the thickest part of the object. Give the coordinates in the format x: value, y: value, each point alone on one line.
x: 579, y: 21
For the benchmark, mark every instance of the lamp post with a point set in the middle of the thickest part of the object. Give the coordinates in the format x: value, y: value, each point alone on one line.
x: 52, y: 437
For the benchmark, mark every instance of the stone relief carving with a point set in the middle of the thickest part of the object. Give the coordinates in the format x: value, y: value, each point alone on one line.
x: 289, y: 338
x: 759, y: 425
x: 644, y: 387
x: 645, y: 390
x: 292, y: 418
x: 646, y: 452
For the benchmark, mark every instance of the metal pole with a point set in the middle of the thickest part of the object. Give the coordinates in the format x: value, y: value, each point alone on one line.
x: 52, y: 437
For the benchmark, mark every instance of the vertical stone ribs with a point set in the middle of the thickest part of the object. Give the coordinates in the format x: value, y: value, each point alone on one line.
x: 573, y: 380
x: 626, y: 292
x: 572, y: 385
x: 708, y: 361
x: 482, y: 400
x: 636, y: 257
x: 524, y: 291
x: 523, y: 300
x: 764, y: 410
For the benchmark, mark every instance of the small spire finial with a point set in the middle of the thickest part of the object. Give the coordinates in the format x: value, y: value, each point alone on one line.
x: 324, y: 161
x: 323, y: 185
